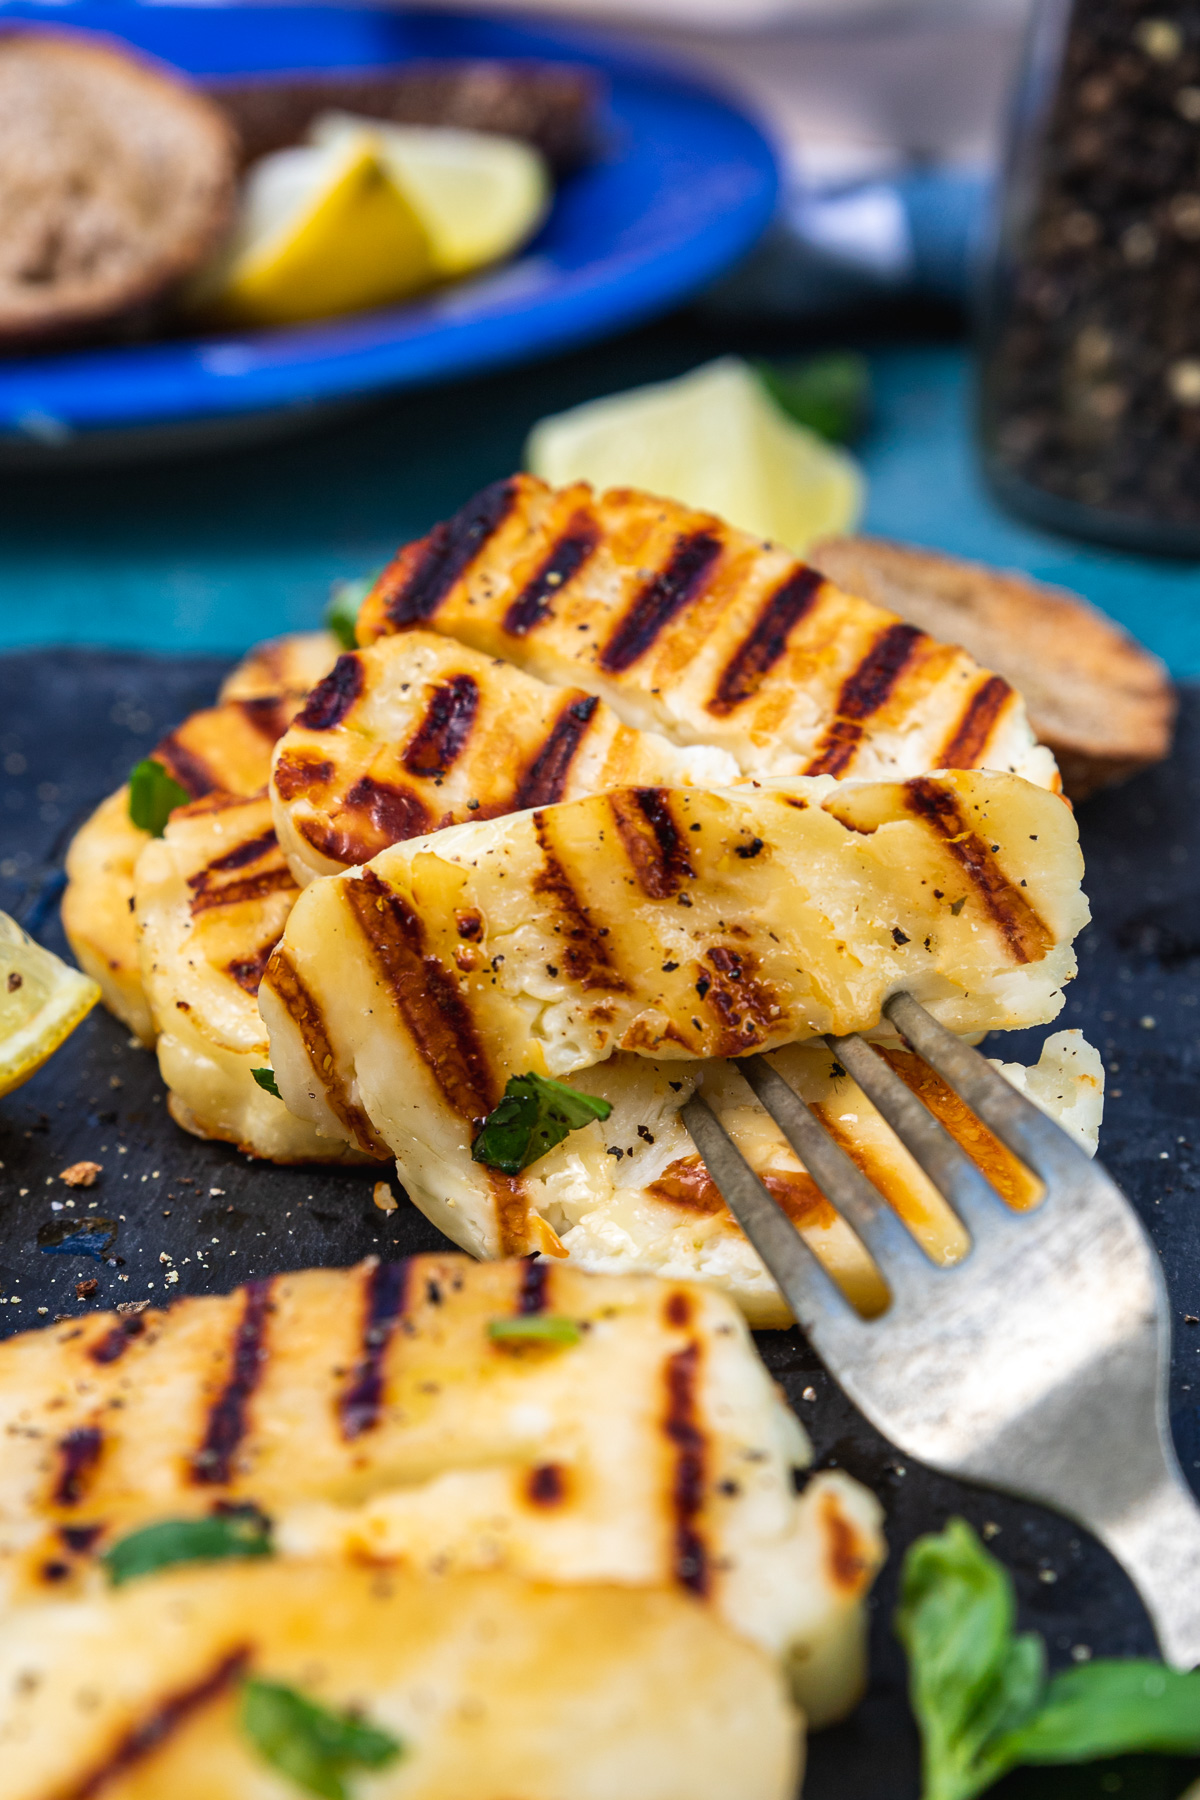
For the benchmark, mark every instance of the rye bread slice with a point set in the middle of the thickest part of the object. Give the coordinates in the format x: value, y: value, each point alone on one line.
x: 1103, y: 704
x: 116, y: 180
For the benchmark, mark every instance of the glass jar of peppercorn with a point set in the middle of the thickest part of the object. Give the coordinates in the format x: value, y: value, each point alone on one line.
x: 1090, y: 389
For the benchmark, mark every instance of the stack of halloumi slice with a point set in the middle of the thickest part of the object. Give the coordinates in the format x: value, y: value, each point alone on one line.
x: 476, y: 1537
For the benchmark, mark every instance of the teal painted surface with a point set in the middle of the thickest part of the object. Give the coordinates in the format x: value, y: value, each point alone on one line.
x: 211, y: 552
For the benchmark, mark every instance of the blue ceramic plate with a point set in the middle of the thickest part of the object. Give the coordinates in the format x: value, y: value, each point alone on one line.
x: 686, y: 185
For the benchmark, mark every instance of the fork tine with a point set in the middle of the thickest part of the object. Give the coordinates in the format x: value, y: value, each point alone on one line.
x: 1020, y: 1125
x: 948, y: 1166
x: 894, y: 1248
x: 814, y: 1297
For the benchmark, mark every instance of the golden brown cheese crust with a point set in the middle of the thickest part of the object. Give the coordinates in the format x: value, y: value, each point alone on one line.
x: 372, y: 1417
x: 418, y: 732
x: 702, y: 632
x: 494, y: 1688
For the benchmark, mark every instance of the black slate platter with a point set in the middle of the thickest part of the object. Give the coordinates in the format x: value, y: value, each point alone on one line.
x: 72, y: 723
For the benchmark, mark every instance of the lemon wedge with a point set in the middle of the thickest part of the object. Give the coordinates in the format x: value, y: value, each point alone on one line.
x: 41, y: 1003
x: 478, y: 195
x: 714, y: 439
x: 323, y: 229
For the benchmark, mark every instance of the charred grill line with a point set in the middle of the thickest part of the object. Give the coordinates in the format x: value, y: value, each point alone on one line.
x: 143, y: 1739
x: 863, y: 692
x: 431, y: 1008
x: 657, y: 603
x: 682, y: 1426
x: 213, y: 1462
x: 582, y: 948
x: 395, y: 812
x: 652, y: 839
x: 309, y: 1022
x: 294, y: 774
x: 966, y: 744
x: 113, y: 1345
x: 686, y: 1183
x: 387, y: 1294
x: 766, y: 642
x: 333, y: 697
x: 546, y: 1485
x: 233, y: 893
x: 268, y: 713
x: 562, y: 564
x: 78, y: 1454
x: 544, y: 780
x: 533, y: 1294
x: 184, y: 766
x: 248, y: 971
x: 440, y: 737
x: 1028, y: 936
x: 237, y: 858
x: 448, y: 552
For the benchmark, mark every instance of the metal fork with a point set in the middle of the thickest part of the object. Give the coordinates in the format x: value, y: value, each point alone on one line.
x: 1038, y: 1364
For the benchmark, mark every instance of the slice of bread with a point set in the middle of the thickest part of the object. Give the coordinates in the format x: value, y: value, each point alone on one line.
x: 116, y: 181
x: 1103, y: 704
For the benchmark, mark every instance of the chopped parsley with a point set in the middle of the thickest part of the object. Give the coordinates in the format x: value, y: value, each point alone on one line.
x: 534, y: 1115
x: 314, y: 1747
x: 238, y: 1531
x: 266, y: 1081
x: 535, y: 1328
x: 153, y: 796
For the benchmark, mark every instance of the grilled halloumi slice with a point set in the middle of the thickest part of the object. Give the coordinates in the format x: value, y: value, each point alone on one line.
x: 418, y: 732
x: 212, y: 897
x: 490, y: 1687
x: 225, y: 747
x: 690, y: 628
x: 372, y: 1416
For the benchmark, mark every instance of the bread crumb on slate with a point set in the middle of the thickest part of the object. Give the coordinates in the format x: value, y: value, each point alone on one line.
x: 81, y: 1174
x: 385, y: 1200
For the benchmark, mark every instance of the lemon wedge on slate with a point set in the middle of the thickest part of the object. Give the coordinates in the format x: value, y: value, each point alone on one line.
x: 713, y: 439
x: 323, y: 229
x: 41, y: 1003
x: 478, y: 195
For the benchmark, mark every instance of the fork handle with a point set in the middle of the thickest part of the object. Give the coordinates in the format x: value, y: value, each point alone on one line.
x: 1158, y: 1546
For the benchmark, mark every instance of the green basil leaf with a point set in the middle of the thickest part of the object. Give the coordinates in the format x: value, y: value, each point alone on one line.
x: 308, y: 1743
x: 345, y: 602
x: 534, y: 1115
x: 1109, y: 1708
x: 973, y: 1682
x: 266, y: 1081
x: 153, y: 796
x: 536, y: 1328
x: 238, y: 1531
x: 830, y: 394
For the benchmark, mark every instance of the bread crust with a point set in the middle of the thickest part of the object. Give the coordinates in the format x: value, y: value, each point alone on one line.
x: 117, y: 180
x: 1101, y: 702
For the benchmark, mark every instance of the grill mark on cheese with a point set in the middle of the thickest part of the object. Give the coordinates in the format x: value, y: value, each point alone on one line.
x: 580, y: 946
x: 78, y: 1453
x: 385, y: 1299
x: 747, y: 1008
x: 687, y: 1184
x: 561, y: 565
x: 426, y: 995
x: 297, y: 774
x: 248, y: 971
x: 1027, y: 935
x: 441, y: 736
x: 677, y: 1310
x: 965, y: 747
x: 546, y: 776
x: 863, y: 692
x: 153, y: 1731
x: 184, y: 766
x: 115, y: 1342
x: 394, y: 812
x: 546, y: 1486
x: 333, y: 697
x: 269, y: 714
x: 233, y: 893
x: 511, y: 1201
x: 306, y: 1015
x: 212, y: 1464
x: 445, y: 556
x: 766, y: 641
x: 238, y: 857
x: 1011, y: 1180
x: 653, y: 841
x: 533, y: 1293
x: 681, y: 1423
x: 663, y: 596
